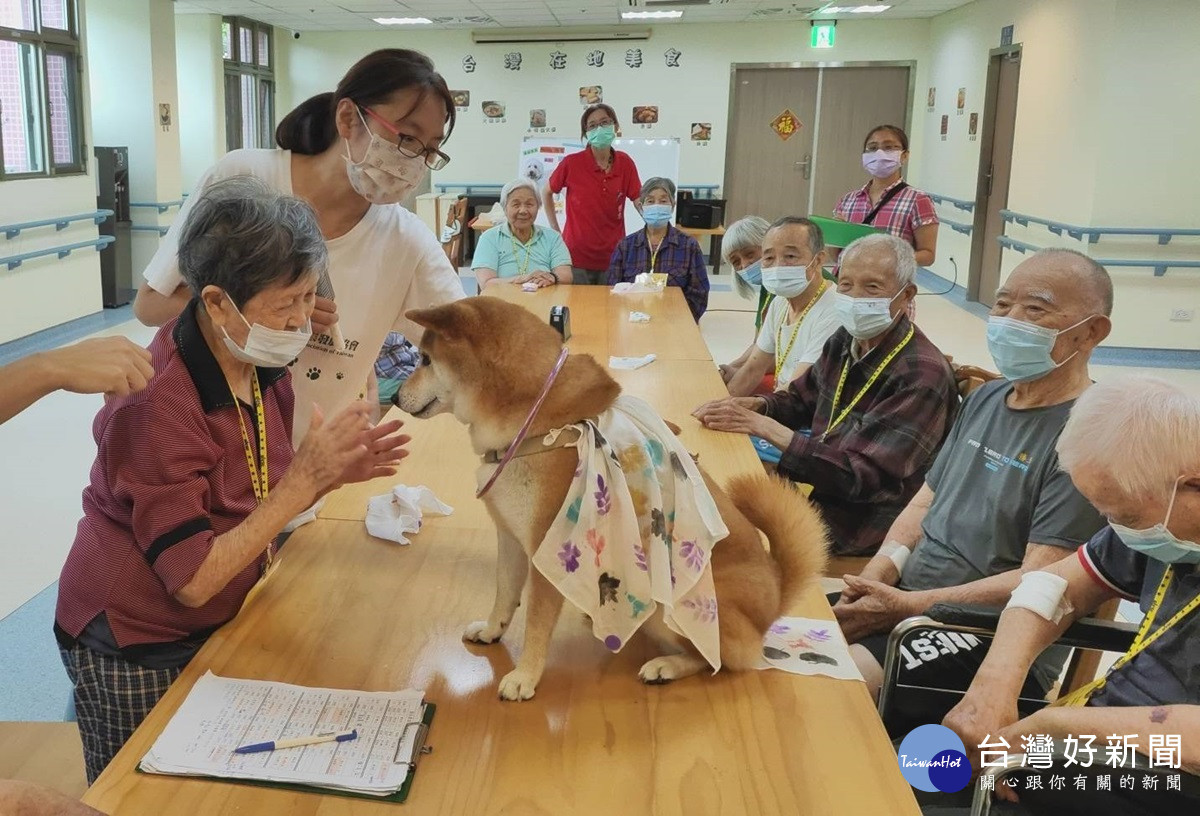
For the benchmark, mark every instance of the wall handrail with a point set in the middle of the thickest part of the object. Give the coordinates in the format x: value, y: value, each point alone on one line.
x: 1164, y: 234
x: 957, y: 226
x: 150, y: 228
x: 161, y: 206
x: 13, y: 261
x: 1159, y: 266
x: 13, y: 230
x: 962, y: 204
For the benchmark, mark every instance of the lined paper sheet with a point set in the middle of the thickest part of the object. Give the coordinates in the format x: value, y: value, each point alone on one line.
x: 222, y: 713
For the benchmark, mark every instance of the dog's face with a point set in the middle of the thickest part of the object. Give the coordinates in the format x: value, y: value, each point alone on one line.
x: 480, y: 358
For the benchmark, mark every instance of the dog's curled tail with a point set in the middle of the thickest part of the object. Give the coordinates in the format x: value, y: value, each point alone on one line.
x: 797, y: 535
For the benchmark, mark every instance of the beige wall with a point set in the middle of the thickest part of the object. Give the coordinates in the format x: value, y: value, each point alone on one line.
x: 1100, y: 120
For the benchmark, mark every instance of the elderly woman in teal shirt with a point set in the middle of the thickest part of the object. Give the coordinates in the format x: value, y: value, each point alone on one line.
x: 519, y: 251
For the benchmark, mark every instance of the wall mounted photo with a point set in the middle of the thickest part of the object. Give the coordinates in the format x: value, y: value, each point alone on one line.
x: 591, y: 94
x: 493, y: 110
x: 962, y: 100
x: 931, y: 99
x: 537, y: 118
x: 701, y: 131
x: 945, y: 126
x: 973, y: 126
x: 462, y: 99
x: 645, y: 115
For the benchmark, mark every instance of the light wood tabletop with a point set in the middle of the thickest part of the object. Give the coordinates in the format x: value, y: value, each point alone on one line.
x: 346, y: 610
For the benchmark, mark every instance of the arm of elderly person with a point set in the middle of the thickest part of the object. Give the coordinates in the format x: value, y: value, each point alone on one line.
x: 870, y: 606
x: 990, y: 704
x: 170, y: 495
x: 105, y: 365
x: 749, y: 375
x: 893, y: 439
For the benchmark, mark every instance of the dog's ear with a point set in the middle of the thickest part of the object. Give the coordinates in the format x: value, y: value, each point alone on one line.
x: 441, y: 320
x: 675, y: 429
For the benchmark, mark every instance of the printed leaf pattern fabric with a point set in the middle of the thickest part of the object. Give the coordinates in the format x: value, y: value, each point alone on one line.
x: 640, y: 511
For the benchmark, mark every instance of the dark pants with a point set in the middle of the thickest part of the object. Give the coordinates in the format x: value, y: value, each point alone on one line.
x: 592, y: 277
x: 112, y: 697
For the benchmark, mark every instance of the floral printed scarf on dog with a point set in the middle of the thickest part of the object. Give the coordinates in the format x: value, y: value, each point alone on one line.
x: 637, y: 530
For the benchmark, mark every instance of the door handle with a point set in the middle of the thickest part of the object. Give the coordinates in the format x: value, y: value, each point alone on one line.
x: 804, y: 166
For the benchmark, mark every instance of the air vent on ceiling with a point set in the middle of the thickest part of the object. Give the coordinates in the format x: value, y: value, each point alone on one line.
x: 572, y: 34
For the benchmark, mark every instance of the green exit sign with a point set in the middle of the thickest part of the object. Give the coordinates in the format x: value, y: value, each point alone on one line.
x: 823, y: 35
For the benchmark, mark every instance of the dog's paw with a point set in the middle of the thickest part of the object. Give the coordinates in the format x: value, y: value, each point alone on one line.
x: 516, y: 685
x: 482, y: 632
x: 670, y: 667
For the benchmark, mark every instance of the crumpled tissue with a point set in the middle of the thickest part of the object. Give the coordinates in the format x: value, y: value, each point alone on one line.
x: 639, y: 317
x: 630, y: 363
x: 394, y: 515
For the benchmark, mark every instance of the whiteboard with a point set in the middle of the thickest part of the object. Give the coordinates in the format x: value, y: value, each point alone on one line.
x: 652, y: 157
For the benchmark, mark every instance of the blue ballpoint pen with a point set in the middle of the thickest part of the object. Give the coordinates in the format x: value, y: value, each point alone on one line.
x: 296, y: 742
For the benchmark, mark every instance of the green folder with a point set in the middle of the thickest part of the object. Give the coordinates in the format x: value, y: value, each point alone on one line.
x: 399, y: 796
x: 841, y: 233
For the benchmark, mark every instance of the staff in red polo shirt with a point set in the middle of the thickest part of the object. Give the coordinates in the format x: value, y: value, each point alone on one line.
x: 195, y: 475
x: 598, y: 180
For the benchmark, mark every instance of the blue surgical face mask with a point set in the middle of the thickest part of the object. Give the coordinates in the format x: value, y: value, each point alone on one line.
x: 864, y: 318
x: 657, y: 215
x: 1158, y: 542
x: 748, y: 281
x: 1021, y: 350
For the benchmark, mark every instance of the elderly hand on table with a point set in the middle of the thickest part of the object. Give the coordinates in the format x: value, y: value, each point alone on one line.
x: 542, y: 277
x: 742, y: 415
x: 867, y: 607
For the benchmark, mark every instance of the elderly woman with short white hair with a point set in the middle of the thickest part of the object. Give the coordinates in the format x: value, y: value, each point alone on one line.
x: 741, y: 248
x: 519, y: 251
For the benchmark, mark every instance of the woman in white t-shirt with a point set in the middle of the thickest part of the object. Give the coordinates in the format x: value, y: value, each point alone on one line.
x: 352, y: 154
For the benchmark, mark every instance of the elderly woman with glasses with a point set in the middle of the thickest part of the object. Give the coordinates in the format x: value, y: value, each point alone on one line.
x: 598, y: 180
x: 661, y: 248
x: 519, y: 251
x: 195, y: 475
x: 353, y: 154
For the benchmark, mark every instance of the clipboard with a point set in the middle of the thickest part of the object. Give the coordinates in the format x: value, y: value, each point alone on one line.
x: 420, y: 749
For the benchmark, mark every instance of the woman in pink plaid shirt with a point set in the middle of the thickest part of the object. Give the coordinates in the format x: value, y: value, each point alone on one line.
x: 886, y: 202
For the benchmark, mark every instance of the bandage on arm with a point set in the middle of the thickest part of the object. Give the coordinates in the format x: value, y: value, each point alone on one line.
x: 896, y: 552
x: 1042, y: 593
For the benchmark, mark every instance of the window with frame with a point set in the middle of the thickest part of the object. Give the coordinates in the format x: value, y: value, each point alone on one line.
x: 249, y: 83
x: 41, y: 106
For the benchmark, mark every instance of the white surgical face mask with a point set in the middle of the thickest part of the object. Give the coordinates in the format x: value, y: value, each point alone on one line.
x: 864, y: 318
x: 384, y: 175
x: 785, y: 281
x: 266, y: 347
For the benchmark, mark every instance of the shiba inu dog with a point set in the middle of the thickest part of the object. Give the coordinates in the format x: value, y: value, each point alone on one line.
x: 501, y: 372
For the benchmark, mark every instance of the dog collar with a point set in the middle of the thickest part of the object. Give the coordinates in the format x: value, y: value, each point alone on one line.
x: 511, y: 451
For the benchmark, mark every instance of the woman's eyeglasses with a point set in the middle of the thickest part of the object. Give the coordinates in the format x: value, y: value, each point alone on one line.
x: 411, y: 146
x: 600, y: 124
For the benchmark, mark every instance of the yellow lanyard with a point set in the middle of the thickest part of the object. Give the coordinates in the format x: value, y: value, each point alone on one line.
x: 834, y: 417
x: 521, y: 270
x: 780, y: 359
x: 258, y: 471
x: 766, y: 304
x: 1140, y: 643
x: 654, y: 251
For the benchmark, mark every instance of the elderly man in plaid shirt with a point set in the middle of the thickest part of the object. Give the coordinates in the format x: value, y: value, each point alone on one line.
x: 863, y: 424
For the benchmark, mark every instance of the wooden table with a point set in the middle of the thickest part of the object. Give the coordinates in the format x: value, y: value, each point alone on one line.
x: 347, y: 610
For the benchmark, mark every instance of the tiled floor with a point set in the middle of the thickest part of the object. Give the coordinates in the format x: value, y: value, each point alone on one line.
x: 48, y: 452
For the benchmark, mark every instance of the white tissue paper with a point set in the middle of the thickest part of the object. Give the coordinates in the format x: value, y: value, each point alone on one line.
x: 529, y: 286
x: 630, y: 363
x: 643, y: 282
x: 639, y: 317
x: 394, y: 515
